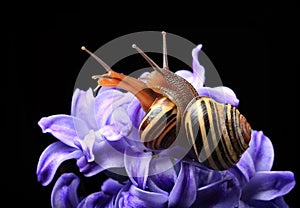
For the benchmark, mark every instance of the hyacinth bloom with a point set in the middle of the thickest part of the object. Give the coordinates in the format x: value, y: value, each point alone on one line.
x: 101, y: 133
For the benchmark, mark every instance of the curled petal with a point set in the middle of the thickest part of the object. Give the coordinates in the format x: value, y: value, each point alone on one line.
x: 63, y: 127
x: 268, y: 185
x: 51, y: 158
x: 107, y: 154
x: 261, y: 151
x: 220, y: 94
x: 184, y: 191
x: 137, y: 167
x: 97, y: 199
x: 111, y: 186
x: 205, y: 176
x: 222, y: 193
x: 258, y: 157
x: 136, y: 197
x: 133, y: 140
x: 162, y: 174
x: 153, y: 186
x: 106, y: 102
x: 198, y: 69
x: 121, y: 121
x: 110, y: 133
x: 244, y: 170
x: 83, y: 103
x: 64, y: 193
x: 187, y: 75
x: 88, y: 169
x: 86, y: 145
x: 103, y: 103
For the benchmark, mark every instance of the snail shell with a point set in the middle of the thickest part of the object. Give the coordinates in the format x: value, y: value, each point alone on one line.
x: 219, y: 133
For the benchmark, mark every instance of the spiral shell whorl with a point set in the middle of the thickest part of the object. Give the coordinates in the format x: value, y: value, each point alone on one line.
x: 218, y: 132
x: 158, y: 127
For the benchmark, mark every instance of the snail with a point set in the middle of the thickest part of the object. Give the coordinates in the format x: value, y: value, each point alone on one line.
x: 218, y: 133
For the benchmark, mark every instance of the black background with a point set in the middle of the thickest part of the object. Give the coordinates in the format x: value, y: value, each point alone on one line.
x: 252, y: 51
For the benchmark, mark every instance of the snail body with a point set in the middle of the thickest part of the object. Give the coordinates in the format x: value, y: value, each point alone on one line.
x: 218, y: 133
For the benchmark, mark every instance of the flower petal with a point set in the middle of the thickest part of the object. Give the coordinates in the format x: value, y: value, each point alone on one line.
x: 83, y: 103
x: 244, y: 170
x: 268, y: 185
x: 220, y: 94
x: 64, y: 193
x: 184, y: 191
x: 222, y: 193
x: 111, y: 186
x: 243, y: 205
x: 261, y: 151
x: 139, y: 198
x: 97, y: 199
x: 205, y: 176
x: 187, y: 75
x: 106, y: 102
x: 63, y: 128
x: 107, y: 154
x: 110, y: 133
x: 137, y: 167
x: 198, y: 69
x: 88, y: 169
x: 51, y: 158
x: 86, y: 145
x: 119, y: 125
x: 121, y: 121
x: 133, y: 140
x: 135, y: 112
x: 275, y: 203
x: 162, y: 174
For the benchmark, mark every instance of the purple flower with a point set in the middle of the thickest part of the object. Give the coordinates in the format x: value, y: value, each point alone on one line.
x: 182, y: 185
x: 261, y: 187
x: 248, y: 184
x: 94, y: 132
x: 101, y: 133
x: 64, y: 193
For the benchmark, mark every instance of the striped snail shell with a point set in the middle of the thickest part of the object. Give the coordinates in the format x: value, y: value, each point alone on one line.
x: 158, y: 127
x: 217, y: 133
